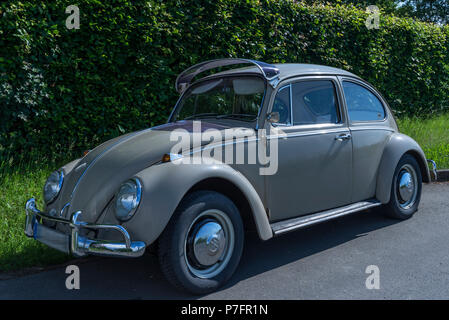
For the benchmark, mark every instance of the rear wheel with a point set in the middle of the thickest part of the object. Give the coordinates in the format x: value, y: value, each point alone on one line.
x: 405, y: 189
x: 201, y: 247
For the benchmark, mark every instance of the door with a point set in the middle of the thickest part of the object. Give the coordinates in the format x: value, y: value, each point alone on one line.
x: 370, y: 130
x: 314, y: 152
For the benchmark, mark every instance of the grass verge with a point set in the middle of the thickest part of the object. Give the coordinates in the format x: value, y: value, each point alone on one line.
x: 16, y: 250
x: 432, y: 135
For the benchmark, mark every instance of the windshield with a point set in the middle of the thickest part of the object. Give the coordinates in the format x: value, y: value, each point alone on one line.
x: 236, y: 98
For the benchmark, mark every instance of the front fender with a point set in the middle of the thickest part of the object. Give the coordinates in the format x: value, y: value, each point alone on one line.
x: 396, y: 147
x: 164, y: 186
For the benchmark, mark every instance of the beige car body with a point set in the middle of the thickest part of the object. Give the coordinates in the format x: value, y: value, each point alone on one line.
x: 337, y: 175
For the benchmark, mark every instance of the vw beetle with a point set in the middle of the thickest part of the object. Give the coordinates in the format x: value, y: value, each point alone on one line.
x: 338, y: 151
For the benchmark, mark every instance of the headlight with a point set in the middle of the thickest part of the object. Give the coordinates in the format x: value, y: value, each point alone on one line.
x: 53, y: 186
x: 127, y: 199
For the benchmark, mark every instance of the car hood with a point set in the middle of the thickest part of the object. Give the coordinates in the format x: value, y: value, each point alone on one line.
x: 90, y: 182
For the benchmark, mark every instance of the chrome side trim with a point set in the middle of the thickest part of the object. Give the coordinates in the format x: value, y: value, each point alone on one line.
x: 285, y: 226
x: 309, y: 133
x: 77, y: 244
x: 221, y: 144
x: 368, y: 128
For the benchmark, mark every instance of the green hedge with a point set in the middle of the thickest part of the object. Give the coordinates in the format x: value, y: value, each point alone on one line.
x: 63, y: 91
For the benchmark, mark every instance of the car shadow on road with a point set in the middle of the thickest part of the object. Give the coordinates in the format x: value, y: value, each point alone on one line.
x: 109, y: 278
x: 262, y: 256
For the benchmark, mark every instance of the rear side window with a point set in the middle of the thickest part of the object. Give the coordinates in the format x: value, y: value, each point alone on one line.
x: 314, y: 102
x: 362, y: 104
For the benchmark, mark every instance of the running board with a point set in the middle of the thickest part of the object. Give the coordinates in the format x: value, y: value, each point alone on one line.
x: 284, y: 226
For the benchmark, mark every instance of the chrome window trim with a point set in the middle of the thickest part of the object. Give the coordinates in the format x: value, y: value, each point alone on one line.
x: 261, y: 106
x: 338, y: 106
x: 291, y: 105
x: 340, y: 101
x: 279, y: 124
x: 243, y: 74
x: 371, y: 89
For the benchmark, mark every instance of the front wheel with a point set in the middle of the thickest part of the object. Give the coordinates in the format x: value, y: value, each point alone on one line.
x: 405, y: 189
x: 201, y: 247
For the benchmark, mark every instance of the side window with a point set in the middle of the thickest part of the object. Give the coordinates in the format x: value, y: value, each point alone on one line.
x: 314, y: 102
x: 362, y: 104
x: 282, y: 105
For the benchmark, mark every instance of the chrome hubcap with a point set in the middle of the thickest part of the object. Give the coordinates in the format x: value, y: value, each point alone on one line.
x: 407, y: 186
x: 209, y: 243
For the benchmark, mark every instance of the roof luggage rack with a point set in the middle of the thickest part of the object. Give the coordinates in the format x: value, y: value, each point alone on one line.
x: 269, y: 71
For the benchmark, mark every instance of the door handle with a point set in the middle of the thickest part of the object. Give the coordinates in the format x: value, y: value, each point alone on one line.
x: 343, y: 137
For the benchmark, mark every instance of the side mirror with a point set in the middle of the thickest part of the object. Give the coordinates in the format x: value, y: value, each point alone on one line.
x: 273, y: 117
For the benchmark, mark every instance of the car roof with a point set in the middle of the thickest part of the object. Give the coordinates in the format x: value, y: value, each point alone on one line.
x: 288, y: 70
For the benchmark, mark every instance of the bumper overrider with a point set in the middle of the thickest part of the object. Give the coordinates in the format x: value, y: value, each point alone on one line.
x: 75, y: 243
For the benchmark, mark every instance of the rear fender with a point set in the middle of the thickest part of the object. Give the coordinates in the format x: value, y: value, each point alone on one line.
x: 398, y: 145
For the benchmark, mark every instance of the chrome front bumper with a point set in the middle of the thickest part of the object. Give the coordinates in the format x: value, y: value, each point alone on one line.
x: 74, y: 242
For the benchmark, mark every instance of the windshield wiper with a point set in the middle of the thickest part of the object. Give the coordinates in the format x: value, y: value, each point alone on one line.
x: 238, y: 115
x: 201, y: 115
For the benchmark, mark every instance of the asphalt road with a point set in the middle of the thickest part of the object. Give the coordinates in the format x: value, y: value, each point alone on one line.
x: 327, y: 261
